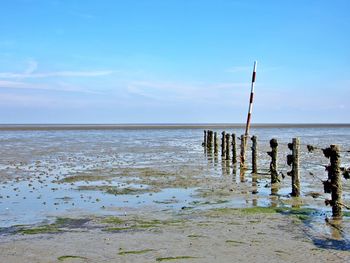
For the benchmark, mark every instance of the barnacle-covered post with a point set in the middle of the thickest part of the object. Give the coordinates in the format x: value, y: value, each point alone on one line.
x: 273, y: 164
x: 254, y: 155
x: 205, y: 139
x: 223, y: 145
x: 293, y: 160
x: 233, y: 145
x: 215, y: 143
x: 210, y: 140
x: 242, y: 157
x: 227, y: 141
x: 334, y: 185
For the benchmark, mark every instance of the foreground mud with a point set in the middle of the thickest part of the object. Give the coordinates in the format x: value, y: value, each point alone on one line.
x: 214, y: 235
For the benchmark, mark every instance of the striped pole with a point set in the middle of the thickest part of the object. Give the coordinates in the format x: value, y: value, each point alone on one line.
x: 251, y: 101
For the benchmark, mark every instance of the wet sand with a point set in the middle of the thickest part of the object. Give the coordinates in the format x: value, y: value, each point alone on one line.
x: 200, y: 236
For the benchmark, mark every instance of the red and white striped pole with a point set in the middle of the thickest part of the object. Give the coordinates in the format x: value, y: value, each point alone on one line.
x: 251, y: 100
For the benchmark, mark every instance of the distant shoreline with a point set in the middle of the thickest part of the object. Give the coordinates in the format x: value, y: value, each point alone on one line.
x: 9, y: 127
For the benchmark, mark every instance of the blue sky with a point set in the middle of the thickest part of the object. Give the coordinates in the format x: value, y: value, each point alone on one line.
x: 173, y: 61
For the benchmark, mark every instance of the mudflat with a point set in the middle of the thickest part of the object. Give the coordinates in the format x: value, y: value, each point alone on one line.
x: 157, y: 195
x: 213, y: 235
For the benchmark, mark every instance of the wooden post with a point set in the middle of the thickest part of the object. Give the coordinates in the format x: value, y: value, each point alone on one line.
x: 215, y: 143
x: 254, y: 155
x: 227, y: 146
x: 223, y: 144
x: 205, y: 139
x: 242, y: 157
x: 293, y: 160
x: 273, y: 164
x: 210, y: 140
x: 335, y: 183
x: 233, y: 144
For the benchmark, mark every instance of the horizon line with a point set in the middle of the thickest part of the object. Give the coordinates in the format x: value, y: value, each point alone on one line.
x: 111, y: 126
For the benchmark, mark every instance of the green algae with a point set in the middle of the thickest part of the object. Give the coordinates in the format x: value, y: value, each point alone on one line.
x: 46, y: 229
x: 236, y: 242
x: 62, y: 258
x: 112, y: 220
x: 79, y: 178
x: 61, y: 222
x: 258, y: 210
x: 216, y: 202
x: 196, y: 236
x: 137, y: 224
x: 135, y: 252
x: 346, y: 213
x: 301, y: 214
x: 174, y: 258
x: 115, y: 190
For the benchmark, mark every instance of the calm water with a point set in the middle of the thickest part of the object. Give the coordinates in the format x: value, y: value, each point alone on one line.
x: 34, y: 160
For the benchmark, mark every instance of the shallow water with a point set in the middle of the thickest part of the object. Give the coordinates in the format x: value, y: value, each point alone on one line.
x: 35, y: 162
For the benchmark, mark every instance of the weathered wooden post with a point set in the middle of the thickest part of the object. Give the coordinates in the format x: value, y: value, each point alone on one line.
x: 293, y: 160
x: 254, y: 155
x: 242, y: 157
x: 227, y: 158
x: 210, y: 140
x: 336, y: 182
x: 233, y: 145
x: 205, y: 139
x: 215, y: 143
x: 273, y: 164
x: 334, y: 185
x: 223, y: 144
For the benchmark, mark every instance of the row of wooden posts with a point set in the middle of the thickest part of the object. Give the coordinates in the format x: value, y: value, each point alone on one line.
x: 332, y: 185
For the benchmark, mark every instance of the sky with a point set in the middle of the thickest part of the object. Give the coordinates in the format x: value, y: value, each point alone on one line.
x: 174, y: 61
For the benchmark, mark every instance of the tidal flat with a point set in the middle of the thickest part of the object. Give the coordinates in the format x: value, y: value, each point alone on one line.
x: 140, y: 195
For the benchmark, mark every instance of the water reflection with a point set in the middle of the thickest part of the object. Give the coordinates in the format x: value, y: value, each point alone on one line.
x: 242, y: 172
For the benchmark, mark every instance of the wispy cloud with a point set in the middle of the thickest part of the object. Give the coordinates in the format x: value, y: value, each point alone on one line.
x: 59, y: 86
x: 32, y: 72
x: 32, y: 67
x: 42, y: 101
x: 173, y: 91
x: 12, y: 75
